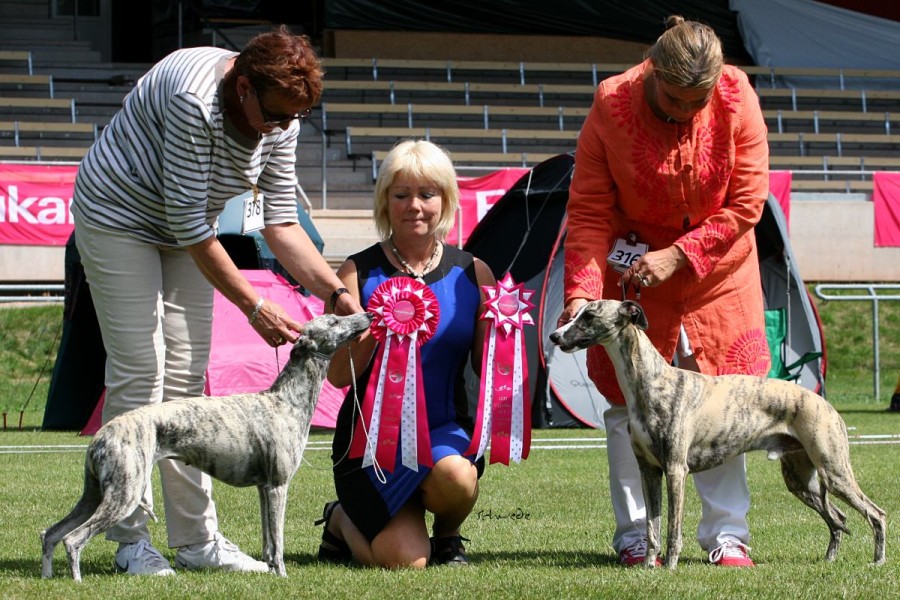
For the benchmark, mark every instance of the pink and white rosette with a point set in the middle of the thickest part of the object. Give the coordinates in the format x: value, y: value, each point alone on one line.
x: 504, y: 408
x: 406, y: 315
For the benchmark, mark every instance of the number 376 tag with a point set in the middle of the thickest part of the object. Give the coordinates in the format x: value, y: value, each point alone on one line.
x: 625, y: 252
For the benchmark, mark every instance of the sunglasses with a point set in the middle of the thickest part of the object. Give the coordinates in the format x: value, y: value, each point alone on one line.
x: 276, y: 120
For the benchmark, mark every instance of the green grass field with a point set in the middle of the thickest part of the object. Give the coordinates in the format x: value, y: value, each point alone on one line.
x: 541, y: 529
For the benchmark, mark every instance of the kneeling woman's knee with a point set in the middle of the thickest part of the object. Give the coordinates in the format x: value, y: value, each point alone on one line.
x: 453, y: 474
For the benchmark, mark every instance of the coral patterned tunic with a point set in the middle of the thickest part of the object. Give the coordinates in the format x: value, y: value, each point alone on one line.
x: 699, y: 185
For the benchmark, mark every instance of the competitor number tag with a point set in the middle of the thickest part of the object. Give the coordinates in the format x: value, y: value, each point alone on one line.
x: 625, y: 252
x: 253, y: 212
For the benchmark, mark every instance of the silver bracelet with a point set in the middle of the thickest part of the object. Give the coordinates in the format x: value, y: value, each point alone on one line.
x: 256, y: 309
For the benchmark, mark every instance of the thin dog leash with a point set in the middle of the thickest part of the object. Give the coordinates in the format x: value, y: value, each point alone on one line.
x: 637, y: 290
x: 379, y: 472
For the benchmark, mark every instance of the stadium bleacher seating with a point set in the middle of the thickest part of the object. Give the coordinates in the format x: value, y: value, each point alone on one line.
x: 496, y: 114
x: 20, y: 82
x: 17, y: 59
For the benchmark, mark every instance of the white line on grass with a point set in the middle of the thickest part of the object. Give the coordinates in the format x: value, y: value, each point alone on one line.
x: 582, y: 443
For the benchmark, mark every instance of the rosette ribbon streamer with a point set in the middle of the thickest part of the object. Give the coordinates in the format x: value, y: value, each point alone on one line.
x: 504, y: 408
x: 406, y: 315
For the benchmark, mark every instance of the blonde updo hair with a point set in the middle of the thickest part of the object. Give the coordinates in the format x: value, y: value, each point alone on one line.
x: 688, y: 54
x: 419, y: 159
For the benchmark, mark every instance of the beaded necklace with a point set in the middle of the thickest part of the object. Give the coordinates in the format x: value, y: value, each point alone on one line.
x: 406, y: 265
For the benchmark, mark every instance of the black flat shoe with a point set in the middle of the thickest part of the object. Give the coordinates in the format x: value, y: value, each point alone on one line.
x: 449, y: 551
x: 332, y: 549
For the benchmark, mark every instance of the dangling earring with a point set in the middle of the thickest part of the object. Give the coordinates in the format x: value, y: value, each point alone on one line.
x: 242, y: 99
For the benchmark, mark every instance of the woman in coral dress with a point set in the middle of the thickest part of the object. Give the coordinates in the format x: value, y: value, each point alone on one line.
x: 674, y: 155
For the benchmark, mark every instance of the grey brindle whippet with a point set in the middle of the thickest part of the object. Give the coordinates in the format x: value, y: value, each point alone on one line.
x: 682, y: 422
x: 243, y: 440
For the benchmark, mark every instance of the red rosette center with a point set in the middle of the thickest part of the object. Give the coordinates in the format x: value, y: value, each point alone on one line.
x: 508, y: 305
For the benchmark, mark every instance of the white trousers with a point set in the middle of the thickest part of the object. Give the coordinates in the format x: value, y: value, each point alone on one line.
x: 723, y: 491
x: 154, y: 308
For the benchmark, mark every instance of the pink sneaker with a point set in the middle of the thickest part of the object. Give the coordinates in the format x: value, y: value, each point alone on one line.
x: 731, y: 554
x: 634, y: 555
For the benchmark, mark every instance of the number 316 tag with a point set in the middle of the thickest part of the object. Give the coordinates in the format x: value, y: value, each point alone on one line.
x: 625, y: 253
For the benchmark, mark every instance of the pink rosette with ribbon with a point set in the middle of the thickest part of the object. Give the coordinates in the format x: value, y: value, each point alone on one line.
x: 504, y: 408
x: 406, y: 315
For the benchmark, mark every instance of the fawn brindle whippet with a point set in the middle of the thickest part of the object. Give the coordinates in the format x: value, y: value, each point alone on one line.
x: 243, y: 440
x: 682, y: 422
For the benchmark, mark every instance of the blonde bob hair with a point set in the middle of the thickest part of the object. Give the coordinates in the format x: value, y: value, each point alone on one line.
x: 419, y: 159
x: 688, y: 54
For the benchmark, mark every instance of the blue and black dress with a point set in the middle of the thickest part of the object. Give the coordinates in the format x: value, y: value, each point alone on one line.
x: 370, y: 502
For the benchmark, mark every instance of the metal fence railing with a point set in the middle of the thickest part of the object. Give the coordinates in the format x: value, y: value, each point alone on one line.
x: 874, y: 293
x: 32, y: 293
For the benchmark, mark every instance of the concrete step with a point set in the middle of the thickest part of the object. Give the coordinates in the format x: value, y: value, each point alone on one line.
x: 117, y: 74
x: 99, y: 94
x: 24, y: 9
x: 17, y: 28
x: 344, y: 231
x: 343, y: 189
x: 338, y: 123
x: 48, y: 53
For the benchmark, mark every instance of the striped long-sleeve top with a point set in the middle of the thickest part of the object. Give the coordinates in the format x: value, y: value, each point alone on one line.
x: 168, y: 161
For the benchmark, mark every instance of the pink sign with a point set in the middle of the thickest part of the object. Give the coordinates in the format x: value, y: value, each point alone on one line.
x: 477, y: 195
x: 35, y: 201
x: 780, y: 186
x: 886, y: 197
x: 35, y: 204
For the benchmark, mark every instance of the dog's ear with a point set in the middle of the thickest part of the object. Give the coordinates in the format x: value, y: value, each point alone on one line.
x: 634, y: 312
x: 305, y: 344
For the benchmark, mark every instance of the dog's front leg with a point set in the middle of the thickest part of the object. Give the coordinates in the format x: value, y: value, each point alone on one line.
x: 46, y: 556
x: 651, y: 483
x: 264, y: 523
x: 675, y: 480
x: 273, y: 501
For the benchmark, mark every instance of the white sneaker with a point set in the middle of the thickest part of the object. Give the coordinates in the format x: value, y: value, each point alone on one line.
x: 141, y: 558
x: 219, y: 553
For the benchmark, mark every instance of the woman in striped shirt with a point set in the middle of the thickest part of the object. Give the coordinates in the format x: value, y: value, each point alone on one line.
x: 202, y: 127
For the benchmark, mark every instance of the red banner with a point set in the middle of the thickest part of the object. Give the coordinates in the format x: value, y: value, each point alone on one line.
x: 780, y: 187
x: 886, y: 197
x: 35, y: 204
x: 35, y: 201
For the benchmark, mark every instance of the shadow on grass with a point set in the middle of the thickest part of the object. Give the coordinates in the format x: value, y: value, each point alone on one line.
x: 25, y: 429
x: 527, y: 558
x: 301, y: 559
x: 32, y: 568
x: 570, y: 559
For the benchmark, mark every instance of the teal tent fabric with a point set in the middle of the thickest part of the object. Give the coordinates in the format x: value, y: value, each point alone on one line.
x: 776, y: 334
